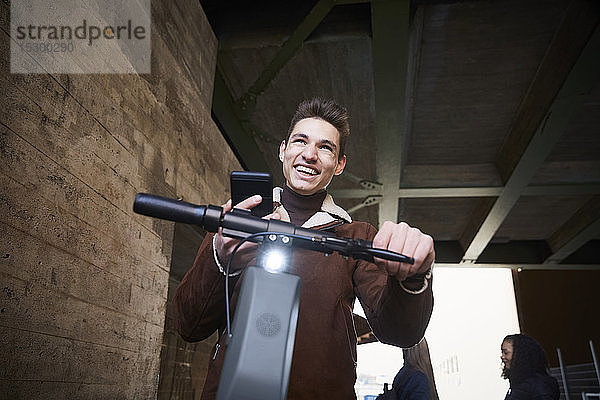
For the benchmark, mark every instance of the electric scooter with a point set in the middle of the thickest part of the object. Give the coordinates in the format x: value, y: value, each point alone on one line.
x: 261, y: 343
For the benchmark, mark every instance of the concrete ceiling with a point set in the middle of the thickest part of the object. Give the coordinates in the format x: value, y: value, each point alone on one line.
x: 476, y: 121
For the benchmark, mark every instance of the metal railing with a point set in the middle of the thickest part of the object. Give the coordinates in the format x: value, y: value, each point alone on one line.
x: 566, y: 385
x: 587, y: 396
x: 563, y: 374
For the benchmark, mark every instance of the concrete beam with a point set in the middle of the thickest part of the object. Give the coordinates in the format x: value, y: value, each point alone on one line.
x: 234, y: 116
x: 242, y: 144
x: 583, y: 76
x: 247, y: 102
x: 390, y: 25
x: 553, y: 267
x: 475, y: 191
x: 588, y: 233
x: 571, y: 37
x: 576, y: 232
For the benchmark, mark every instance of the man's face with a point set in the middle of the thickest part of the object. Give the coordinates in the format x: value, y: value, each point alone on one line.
x: 507, y: 354
x: 310, y: 158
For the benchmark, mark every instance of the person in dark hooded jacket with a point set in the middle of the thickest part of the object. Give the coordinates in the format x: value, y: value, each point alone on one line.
x: 526, y: 368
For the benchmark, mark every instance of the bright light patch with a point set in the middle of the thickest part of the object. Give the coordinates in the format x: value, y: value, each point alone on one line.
x: 474, y: 309
x: 274, y: 261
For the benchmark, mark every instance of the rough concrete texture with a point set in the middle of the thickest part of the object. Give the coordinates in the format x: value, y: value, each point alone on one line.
x: 83, y: 280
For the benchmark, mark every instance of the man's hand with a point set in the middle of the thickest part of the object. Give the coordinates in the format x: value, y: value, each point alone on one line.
x: 224, y: 245
x: 411, y: 242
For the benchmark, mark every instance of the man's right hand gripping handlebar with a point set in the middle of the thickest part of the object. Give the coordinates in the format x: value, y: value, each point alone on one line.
x: 224, y: 245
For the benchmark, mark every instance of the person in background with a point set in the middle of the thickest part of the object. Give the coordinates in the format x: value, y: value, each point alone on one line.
x: 415, y: 379
x: 526, y: 368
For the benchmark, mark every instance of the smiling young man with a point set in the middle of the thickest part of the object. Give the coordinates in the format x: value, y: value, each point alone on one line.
x: 396, y: 297
x: 310, y: 158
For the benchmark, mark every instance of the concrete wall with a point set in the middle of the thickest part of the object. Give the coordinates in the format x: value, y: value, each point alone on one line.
x: 83, y: 280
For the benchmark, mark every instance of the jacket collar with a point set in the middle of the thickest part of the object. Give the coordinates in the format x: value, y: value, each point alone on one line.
x: 330, y: 212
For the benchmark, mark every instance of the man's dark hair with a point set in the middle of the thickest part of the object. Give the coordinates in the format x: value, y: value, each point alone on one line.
x: 528, y: 359
x: 327, y: 110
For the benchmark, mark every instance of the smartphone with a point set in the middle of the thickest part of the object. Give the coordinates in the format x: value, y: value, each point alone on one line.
x: 246, y: 184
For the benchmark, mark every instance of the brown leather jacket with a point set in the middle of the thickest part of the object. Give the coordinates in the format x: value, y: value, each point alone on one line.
x: 324, y: 360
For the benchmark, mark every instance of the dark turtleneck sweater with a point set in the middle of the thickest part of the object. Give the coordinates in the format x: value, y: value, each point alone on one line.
x: 300, y: 207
